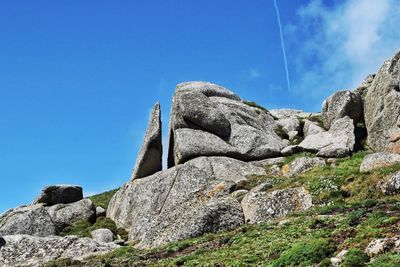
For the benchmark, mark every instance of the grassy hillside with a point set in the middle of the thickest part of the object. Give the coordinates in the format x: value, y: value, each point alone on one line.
x: 349, y: 212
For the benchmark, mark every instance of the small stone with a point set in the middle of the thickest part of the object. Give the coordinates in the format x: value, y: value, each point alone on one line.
x: 302, y: 165
x: 390, y: 185
x: 103, y: 235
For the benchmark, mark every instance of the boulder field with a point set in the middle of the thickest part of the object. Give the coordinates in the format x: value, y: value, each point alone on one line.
x: 217, y: 143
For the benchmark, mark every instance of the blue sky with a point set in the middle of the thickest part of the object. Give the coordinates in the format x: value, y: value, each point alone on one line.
x: 78, y: 78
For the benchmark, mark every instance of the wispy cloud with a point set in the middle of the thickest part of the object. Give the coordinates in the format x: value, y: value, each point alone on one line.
x: 344, y: 43
x: 254, y: 73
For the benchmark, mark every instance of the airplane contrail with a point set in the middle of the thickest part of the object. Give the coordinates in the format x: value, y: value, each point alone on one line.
x: 282, y: 44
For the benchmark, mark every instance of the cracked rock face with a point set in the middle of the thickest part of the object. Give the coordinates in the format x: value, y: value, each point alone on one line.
x: 382, y: 108
x: 337, y: 142
x: 260, y: 206
x: 149, y: 160
x: 184, y: 201
x: 209, y: 120
x: 26, y: 250
x: 342, y: 104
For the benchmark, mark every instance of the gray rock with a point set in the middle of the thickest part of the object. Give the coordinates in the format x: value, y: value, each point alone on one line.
x: 65, y: 214
x: 311, y: 128
x: 38, y: 220
x: 337, y: 142
x: 206, y: 88
x: 100, y: 211
x: 149, y: 160
x: 339, y: 258
x: 30, y: 220
x: 239, y: 194
x: 267, y: 162
x: 103, y: 235
x: 259, y: 206
x: 382, y: 107
x: 289, y: 124
x: 383, y: 245
x: 191, y: 219
x: 59, y: 194
x: 33, y: 251
x: 340, y: 105
x: 379, y: 160
x: 390, y: 185
x: 206, y: 122
x: 202, y: 184
x: 302, y: 165
x: 291, y: 113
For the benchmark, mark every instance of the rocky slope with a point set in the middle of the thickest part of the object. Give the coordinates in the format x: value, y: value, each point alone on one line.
x: 235, y: 166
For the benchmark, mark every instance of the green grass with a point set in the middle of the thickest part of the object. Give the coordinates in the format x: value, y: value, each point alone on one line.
x: 349, y: 213
x: 102, y: 200
x: 355, y: 258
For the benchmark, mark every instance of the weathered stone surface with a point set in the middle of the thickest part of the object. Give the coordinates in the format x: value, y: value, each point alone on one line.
x: 291, y: 113
x: 32, y: 251
x: 206, y: 88
x: 39, y: 220
x: 337, y: 142
x: 103, y: 235
x: 149, y: 160
x: 379, y: 160
x: 382, y: 106
x: 30, y: 220
x: 339, y: 258
x: 100, y: 211
x: 390, y: 185
x: 215, y: 122
x: 311, y: 128
x: 259, y: 206
x: 266, y: 162
x: 289, y: 124
x: 191, y: 219
x: 65, y: 214
x: 340, y: 105
x: 382, y: 245
x: 60, y: 194
x: 202, y: 184
x: 302, y: 165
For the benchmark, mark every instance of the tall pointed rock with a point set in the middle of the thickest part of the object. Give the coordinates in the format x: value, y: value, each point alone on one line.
x: 149, y: 160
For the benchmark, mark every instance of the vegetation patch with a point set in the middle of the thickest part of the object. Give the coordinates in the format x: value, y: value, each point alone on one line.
x: 103, y: 199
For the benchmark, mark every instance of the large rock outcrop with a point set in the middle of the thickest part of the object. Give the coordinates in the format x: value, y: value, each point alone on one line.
x: 182, y: 202
x: 342, y: 104
x: 209, y: 120
x: 149, y: 160
x: 382, y: 108
x: 337, y: 142
x: 33, y: 251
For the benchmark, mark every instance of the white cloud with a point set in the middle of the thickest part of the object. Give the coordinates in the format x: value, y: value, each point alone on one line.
x: 341, y: 45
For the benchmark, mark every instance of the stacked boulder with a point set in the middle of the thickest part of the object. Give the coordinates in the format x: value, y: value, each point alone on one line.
x: 28, y: 234
x: 215, y: 143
